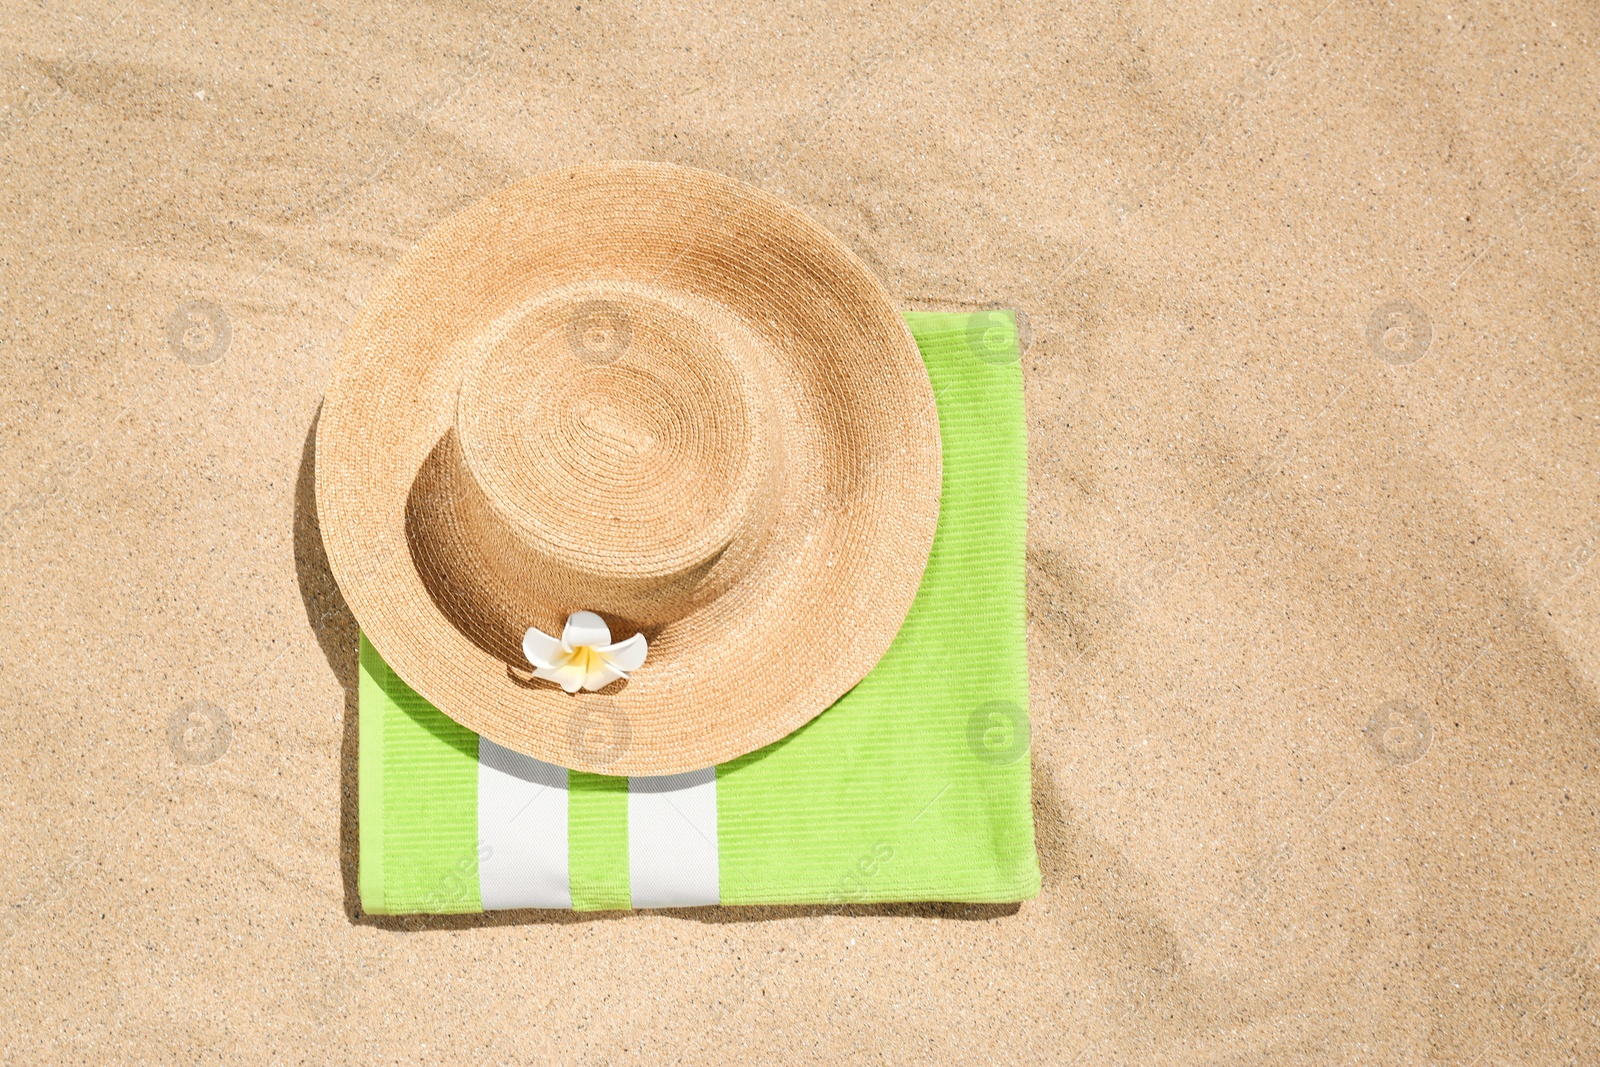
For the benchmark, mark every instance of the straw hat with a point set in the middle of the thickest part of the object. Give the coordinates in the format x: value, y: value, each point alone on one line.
x: 650, y: 393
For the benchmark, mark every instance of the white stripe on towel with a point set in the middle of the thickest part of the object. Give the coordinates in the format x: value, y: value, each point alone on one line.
x: 522, y: 830
x: 672, y: 840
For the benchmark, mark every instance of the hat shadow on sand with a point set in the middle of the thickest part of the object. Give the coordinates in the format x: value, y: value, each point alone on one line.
x: 338, y: 635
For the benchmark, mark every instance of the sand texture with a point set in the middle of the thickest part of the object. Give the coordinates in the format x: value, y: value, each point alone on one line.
x: 1314, y: 623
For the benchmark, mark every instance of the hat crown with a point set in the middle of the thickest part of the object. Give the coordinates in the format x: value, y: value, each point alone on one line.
x: 617, y: 453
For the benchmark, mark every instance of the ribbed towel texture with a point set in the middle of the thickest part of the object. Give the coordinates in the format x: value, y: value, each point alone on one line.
x: 914, y: 786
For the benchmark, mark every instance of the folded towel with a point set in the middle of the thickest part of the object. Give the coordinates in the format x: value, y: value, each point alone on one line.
x: 914, y: 786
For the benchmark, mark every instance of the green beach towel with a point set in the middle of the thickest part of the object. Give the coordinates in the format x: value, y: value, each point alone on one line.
x: 914, y: 786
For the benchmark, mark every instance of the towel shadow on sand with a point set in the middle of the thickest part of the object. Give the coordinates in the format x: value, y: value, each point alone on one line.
x: 338, y: 636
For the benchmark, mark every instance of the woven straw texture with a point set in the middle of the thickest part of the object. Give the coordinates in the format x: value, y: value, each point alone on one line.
x: 646, y: 391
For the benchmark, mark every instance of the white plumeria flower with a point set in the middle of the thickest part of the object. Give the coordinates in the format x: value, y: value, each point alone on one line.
x: 584, y: 658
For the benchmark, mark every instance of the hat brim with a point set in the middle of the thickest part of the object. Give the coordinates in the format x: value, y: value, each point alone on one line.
x: 860, y: 501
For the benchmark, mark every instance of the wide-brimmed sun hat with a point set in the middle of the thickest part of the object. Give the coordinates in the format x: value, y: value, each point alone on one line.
x: 629, y: 398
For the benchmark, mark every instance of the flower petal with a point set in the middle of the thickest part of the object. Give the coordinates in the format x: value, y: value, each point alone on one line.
x: 601, y: 674
x: 585, y: 628
x: 541, y: 649
x: 569, y: 676
x: 625, y: 655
